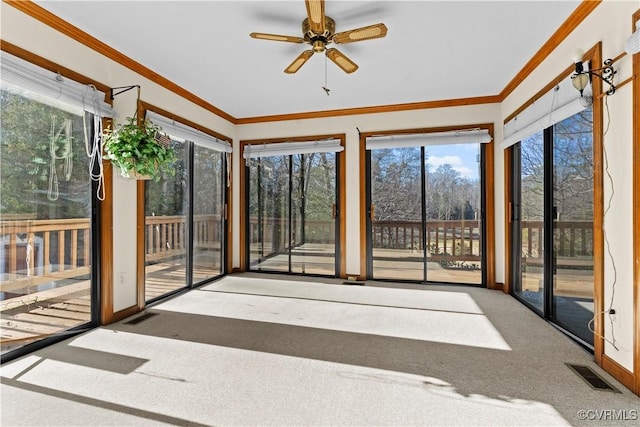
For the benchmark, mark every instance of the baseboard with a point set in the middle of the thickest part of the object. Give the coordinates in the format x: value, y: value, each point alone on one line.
x: 618, y: 372
x: 497, y: 286
x: 123, y: 314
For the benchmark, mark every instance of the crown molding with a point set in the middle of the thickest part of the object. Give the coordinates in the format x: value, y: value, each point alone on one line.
x: 373, y: 109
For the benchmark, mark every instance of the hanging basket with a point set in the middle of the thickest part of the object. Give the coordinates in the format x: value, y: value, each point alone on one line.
x: 139, y: 149
x: 132, y: 174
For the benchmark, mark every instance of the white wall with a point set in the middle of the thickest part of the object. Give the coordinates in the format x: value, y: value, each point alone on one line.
x: 610, y: 23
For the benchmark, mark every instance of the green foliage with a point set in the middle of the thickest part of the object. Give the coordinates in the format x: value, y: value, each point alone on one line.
x: 26, y: 163
x: 134, y: 150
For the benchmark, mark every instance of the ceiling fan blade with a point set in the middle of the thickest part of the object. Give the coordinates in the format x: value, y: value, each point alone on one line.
x: 277, y: 37
x: 315, y: 12
x: 375, y: 31
x: 298, y: 62
x: 347, y: 65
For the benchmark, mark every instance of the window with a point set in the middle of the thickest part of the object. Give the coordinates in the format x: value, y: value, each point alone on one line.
x: 292, y: 199
x: 425, y: 207
x: 48, y: 202
x: 552, y: 208
x: 185, y: 220
x: 552, y: 228
x: 166, y: 205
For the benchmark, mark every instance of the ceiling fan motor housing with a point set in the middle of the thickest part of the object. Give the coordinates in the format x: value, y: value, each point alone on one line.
x: 319, y: 41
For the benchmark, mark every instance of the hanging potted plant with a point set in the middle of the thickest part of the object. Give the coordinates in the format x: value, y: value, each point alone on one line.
x: 140, y: 152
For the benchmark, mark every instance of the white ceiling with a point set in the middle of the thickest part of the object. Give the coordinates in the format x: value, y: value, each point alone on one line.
x: 434, y: 50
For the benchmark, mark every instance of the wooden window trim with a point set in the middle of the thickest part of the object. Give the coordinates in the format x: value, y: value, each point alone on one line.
x: 595, y: 54
x: 636, y: 210
x: 489, y: 195
x: 242, y: 266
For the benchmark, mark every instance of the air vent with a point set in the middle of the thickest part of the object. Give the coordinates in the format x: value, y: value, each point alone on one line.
x: 590, y: 377
x: 139, y: 319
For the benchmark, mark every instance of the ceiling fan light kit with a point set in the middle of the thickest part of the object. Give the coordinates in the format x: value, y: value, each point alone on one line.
x: 318, y: 31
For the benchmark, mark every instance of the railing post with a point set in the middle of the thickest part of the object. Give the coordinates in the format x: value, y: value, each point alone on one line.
x: 444, y: 236
x: 61, y: 245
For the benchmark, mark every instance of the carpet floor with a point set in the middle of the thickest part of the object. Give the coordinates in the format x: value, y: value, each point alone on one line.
x: 270, y: 351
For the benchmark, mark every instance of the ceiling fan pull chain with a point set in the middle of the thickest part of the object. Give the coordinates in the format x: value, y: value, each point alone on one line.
x: 325, y: 87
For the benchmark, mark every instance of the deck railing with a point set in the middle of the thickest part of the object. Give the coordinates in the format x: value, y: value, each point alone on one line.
x: 60, y: 248
x: 52, y: 249
x: 453, y: 240
x: 166, y: 235
x: 571, y: 239
x: 274, y: 232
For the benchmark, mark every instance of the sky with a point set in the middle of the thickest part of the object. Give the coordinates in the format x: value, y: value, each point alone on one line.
x: 461, y: 157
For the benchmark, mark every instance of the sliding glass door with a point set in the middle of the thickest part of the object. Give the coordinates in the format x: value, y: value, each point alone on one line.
x: 529, y: 227
x: 552, y: 223
x: 185, y: 212
x: 572, y: 214
x: 269, y: 210
x: 209, y: 189
x: 49, y: 206
x: 313, y: 209
x: 166, y: 208
x: 425, y: 221
x: 398, y: 247
x: 292, y: 222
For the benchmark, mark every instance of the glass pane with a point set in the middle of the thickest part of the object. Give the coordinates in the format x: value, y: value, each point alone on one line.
x: 453, y: 222
x: 165, y: 229
x: 573, y: 224
x: 531, y: 285
x: 313, y: 198
x: 269, y: 213
x: 45, y: 211
x: 208, y: 213
x: 396, y: 228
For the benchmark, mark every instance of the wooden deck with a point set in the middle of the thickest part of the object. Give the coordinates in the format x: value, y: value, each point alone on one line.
x: 37, y: 315
x: 163, y: 278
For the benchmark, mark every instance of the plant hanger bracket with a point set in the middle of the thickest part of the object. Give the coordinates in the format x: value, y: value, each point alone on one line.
x: 124, y: 89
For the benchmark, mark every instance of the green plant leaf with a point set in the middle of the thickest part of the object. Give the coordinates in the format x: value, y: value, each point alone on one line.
x: 134, y: 148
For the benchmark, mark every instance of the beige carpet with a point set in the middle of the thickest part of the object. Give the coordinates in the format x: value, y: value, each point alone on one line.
x: 249, y: 350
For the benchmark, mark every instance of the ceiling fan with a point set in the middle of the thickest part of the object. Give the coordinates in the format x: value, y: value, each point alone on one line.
x: 319, y: 30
